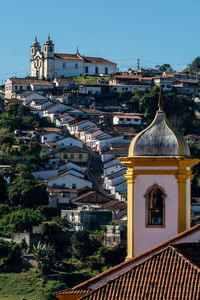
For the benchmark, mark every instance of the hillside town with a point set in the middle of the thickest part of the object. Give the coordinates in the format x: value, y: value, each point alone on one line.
x: 66, y: 132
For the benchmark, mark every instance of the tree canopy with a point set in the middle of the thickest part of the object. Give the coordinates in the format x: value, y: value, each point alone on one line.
x: 178, y: 108
x: 28, y: 193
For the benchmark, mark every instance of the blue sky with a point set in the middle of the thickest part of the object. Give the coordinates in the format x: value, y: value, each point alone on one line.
x: 155, y: 31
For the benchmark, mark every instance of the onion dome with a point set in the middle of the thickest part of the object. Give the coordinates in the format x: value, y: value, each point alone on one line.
x: 159, y: 138
x: 49, y: 41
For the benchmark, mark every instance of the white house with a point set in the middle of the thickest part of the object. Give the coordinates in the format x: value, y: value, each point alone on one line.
x: 119, y: 187
x: 48, y: 64
x: 127, y: 119
x: 109, y: 182
x: 64, y: 82
x: 69, y: 181
x: 85, y: 130
x: 71, y: 165
x: 56, y: 108
x: 41, y: 104
x: 112, y: 166
x: 165, y: 83
x: 74, y: 128
x: 105, y: 142
x: 114, y: 88
x: 90, y: 89
x: 50, y: 137
x: 28, y: 97
x: 59, y: 197
x: 16, y: 85
x: 68, y: 141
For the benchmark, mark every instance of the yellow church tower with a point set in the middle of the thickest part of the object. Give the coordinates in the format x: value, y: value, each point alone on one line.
x: 159, y: 179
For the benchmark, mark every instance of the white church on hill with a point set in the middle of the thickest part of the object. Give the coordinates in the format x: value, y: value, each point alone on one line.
x: 48, y: 64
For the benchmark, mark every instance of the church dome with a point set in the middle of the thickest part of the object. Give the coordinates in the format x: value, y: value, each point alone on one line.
x: 159, y: 139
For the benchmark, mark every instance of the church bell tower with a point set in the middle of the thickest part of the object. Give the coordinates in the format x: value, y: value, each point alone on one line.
x: 49, y: 59
x: 159, y: 178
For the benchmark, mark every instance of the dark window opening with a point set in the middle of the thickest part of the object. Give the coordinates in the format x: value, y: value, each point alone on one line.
x: 155, y: 207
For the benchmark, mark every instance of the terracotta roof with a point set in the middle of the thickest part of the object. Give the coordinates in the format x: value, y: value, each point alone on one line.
x: 117, y: 151
x: 63, y: 175
x: 39, y: 101
x: 67, y: 56
x: 87, y: 59
x: 30, y: 81
x: 69, y: 120
x: 119, y: 269
x: 73, y: 292
x: 85, y: 199
x: 63, y: 190
x: 114, y: 205
x: 48, y: 129
x: 119, y: 145
x: 92, y: 111
x: 166, y: 275
x: 128, y: 117
x: 68, y: 79
x: 73, y: 149
x: 98, y: 60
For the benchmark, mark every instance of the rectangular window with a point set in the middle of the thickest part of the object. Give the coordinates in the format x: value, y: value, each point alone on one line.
x: 86, y: 69
x: 15, y: 87
x: 72, y: 155
x: 80, y: 156
x: 106, y: 70
x: 64, y: 65
x: 20, y: 87
x: 73, y: 186
x: 76, y: 66
x: 96, y: 70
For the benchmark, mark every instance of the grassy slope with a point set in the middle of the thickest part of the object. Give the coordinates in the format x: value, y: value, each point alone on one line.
x: 15, y: 286
x: 88, y: 79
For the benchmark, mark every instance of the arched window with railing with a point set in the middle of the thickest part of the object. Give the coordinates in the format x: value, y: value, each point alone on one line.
x: 155, y: 206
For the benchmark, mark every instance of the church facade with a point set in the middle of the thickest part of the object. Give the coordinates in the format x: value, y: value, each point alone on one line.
x: 49, y: 65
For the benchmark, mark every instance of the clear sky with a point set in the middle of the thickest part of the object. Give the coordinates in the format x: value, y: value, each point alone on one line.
x: 155, y: 31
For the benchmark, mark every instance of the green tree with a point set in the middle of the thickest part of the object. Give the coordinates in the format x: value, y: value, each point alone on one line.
x: 10, y: 255
x: 81, y: 244
x: 20, y: 220
x: 28, y: 193
x: 178, y: 108
x: 113, y: 256
x: 164, y: 68
x: 18, y: 116
x: 44, y: 255
x: 194, y: 67
x: 24, y: 149
x: 3, y: 189
x: 6, y: 137
x: 4, y: 209
x: 34, y: 147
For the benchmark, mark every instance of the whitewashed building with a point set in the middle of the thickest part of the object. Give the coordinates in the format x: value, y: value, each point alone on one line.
x: 48, y: 64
